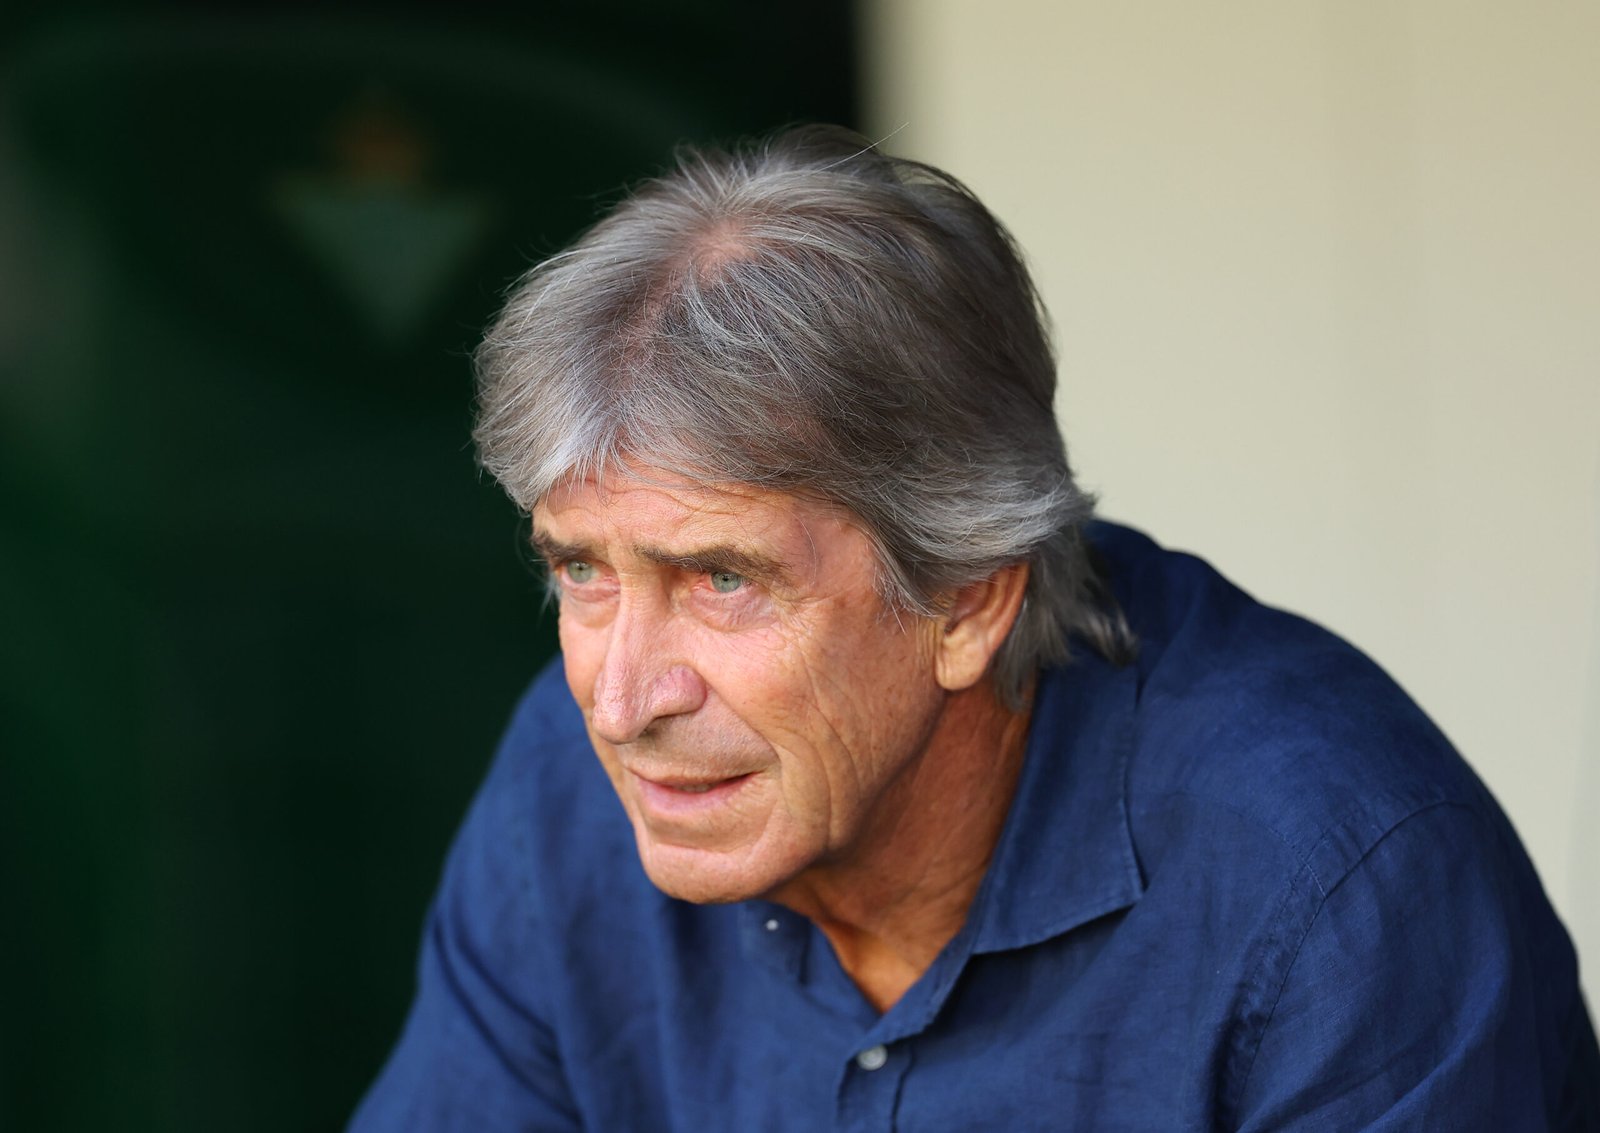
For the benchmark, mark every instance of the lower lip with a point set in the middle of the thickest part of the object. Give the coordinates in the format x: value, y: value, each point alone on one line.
x: 672, y: 801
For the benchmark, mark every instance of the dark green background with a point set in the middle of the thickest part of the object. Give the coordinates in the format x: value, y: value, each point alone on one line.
x: 262, y: 618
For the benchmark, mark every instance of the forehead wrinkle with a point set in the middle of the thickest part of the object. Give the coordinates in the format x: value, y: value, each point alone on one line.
x: 700, y: 560
x: 558, y: 549
x: 738, y: 528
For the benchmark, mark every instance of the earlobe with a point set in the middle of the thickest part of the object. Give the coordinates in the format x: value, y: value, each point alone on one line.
x: 976, y: 625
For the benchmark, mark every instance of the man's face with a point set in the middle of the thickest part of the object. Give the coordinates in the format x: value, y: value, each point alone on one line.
x: 751, y: 698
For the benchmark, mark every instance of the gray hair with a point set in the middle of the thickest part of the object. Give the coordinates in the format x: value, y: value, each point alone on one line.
x: 812, y: 316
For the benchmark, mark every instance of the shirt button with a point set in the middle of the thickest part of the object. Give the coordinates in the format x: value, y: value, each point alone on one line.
x: 872, y: 1058
x: 772, y: 925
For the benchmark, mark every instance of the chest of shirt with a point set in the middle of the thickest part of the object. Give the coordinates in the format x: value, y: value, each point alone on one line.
x: 741, y: 1020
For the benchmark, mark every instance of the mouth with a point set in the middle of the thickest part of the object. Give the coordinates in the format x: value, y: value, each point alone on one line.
x: 688, y: 798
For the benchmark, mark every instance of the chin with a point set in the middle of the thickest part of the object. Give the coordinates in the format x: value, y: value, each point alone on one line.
x: 704, y: 877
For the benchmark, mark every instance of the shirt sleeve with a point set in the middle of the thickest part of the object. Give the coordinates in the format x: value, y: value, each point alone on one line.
x: 476, y: 1054
x: 1427, y: 992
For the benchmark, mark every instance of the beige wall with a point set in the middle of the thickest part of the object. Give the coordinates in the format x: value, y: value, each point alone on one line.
x: 1326, y: 279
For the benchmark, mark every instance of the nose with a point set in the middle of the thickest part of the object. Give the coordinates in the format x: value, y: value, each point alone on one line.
x: 642, y: 679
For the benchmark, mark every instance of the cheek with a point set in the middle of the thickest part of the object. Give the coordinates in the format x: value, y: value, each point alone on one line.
x: 762, y: 688
x: 753, y: 672
x: 843, y: 694
x: 876, y: 688
x: 870, y: 651
x: 582, y: 654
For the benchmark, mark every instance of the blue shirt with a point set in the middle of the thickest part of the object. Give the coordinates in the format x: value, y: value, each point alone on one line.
x: 1244, y: 884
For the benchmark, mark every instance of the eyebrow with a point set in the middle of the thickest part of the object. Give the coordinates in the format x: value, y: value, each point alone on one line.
x: 721, y: 557
x: 555, y: 551
x: 702, y: 560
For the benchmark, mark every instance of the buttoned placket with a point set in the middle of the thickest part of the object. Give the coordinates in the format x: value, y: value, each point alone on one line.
x: 870, y: 1087
x: 872, y: 1082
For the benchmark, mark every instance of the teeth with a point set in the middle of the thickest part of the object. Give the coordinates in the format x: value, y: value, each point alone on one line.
x: 698, y: 790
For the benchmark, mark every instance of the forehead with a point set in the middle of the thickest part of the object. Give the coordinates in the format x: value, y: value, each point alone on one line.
x: 669, y: 514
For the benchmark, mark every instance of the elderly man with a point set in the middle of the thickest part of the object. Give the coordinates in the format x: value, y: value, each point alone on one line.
x: 921, y: 801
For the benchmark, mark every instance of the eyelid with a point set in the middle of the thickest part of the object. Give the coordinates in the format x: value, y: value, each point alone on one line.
x: 559, y: 571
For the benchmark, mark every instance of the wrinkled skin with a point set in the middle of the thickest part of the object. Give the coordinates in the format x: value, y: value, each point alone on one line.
x: 762, y: 716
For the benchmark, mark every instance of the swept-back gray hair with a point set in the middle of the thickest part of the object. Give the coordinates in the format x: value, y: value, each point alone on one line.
x: 813, y: 316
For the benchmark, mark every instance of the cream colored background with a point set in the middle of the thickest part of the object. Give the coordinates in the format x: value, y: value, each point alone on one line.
x: 1325, y: 284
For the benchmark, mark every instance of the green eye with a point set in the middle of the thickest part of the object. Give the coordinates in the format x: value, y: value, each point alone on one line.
x: 725, y: 581
x: 578, y: 572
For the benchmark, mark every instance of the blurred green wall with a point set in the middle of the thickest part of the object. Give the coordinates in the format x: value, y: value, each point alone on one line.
x: 262, y: 620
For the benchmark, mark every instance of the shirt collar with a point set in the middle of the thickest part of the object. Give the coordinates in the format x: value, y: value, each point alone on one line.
x: 1066, y: 855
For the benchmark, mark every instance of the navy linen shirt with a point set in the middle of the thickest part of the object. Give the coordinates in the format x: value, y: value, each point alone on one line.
x: 1244, y: 884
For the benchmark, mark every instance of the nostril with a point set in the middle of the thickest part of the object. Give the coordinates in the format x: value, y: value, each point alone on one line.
x: 679, y: 691
x: 625, y: 707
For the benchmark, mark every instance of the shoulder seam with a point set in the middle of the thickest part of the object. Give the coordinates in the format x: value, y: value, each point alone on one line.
x: 1302, y: 859
x: 1252, y: 1044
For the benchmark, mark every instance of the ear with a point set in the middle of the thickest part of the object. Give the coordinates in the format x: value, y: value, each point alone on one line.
x: 976, y: 624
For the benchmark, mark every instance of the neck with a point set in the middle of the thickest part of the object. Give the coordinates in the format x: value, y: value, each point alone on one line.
x: 912, y: 876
